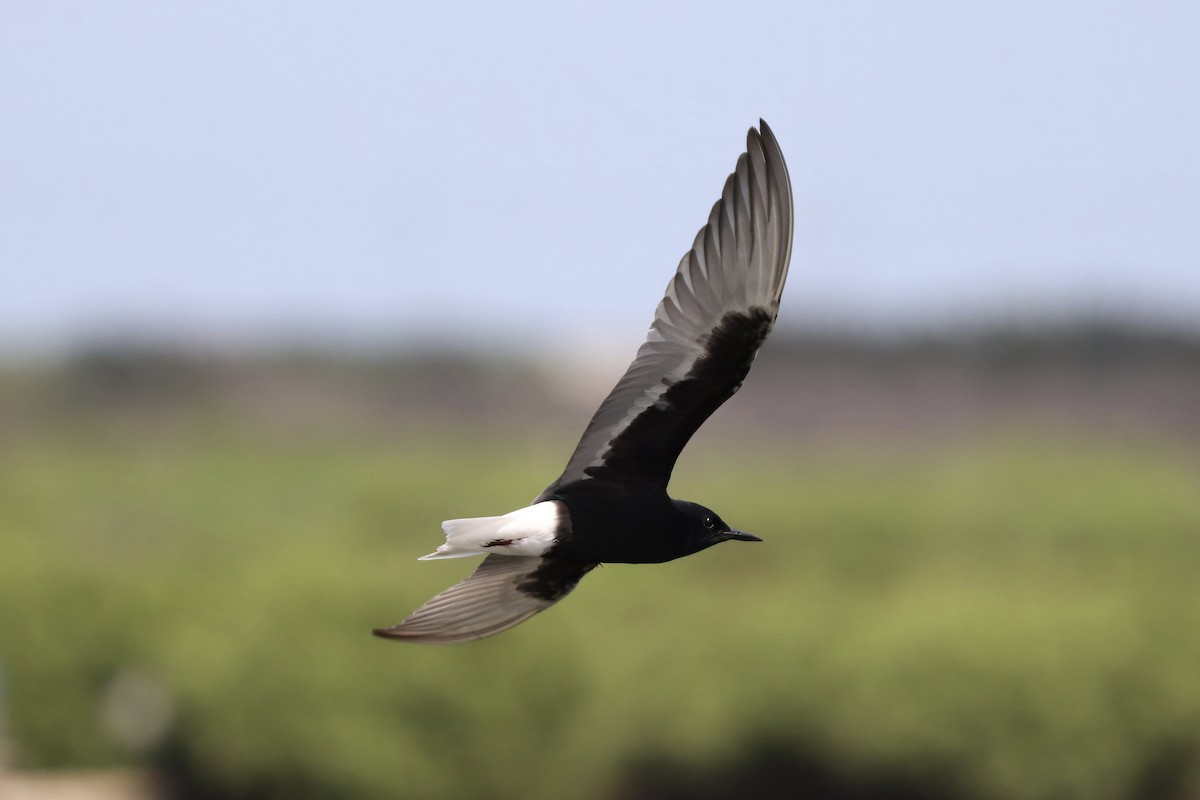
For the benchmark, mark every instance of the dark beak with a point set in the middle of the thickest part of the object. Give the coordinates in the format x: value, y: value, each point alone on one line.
x: 741, y: 536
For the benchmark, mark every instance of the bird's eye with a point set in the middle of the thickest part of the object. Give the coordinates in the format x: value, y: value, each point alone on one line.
x: 709, y: 522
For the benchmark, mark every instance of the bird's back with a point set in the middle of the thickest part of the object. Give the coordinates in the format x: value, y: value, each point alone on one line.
x: 616, y: 526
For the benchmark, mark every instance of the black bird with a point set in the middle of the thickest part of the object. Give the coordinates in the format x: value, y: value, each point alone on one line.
x: 611, y: 504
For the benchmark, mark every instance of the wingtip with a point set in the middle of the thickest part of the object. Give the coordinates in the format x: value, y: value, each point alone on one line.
x: 762, y: 137
x: 753, y: 138
x: 393, y: 634
x: 396, y: 633
x: 766, y: 133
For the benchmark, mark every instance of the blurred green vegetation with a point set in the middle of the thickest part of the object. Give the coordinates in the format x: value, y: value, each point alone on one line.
x: 1015, y: 616
x: 978, y: 580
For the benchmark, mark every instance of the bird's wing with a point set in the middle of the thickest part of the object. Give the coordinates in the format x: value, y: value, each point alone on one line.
x: 502, y: 592
x: 717, y: 311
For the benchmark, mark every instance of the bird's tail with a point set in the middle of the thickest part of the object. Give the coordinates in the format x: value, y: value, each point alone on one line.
x: 524, y: 532
x: 467, y: 537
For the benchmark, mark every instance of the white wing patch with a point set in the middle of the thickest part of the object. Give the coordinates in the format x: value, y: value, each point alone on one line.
x: 528, y: 531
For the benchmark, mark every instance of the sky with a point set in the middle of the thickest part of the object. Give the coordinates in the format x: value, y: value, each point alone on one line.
x: 241, y: 174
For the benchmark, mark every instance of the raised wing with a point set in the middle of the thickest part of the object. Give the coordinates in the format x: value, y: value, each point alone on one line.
x: 502, y: 592
x: 717, y: 311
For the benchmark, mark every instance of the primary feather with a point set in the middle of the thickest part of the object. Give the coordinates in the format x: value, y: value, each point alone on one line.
x: 725, y: 294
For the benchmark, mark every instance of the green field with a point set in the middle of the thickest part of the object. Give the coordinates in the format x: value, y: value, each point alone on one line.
x: 1010, y: 618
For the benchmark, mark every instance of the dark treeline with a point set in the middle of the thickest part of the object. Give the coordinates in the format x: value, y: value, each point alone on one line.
x: 1091, y: 376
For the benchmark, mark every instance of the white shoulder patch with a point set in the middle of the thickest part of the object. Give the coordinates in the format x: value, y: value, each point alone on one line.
x: 528, y: 531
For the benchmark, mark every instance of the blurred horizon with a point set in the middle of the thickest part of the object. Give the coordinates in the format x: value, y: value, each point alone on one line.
x: 1098, y: 379
x: 579, y: 352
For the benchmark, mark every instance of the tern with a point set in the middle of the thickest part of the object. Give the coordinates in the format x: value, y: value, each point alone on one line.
x: 610, y: 505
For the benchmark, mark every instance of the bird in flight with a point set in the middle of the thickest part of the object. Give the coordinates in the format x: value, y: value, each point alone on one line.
x: 610, y: 504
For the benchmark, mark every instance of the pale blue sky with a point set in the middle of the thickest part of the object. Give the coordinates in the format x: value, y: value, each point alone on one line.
x: 246, y: 172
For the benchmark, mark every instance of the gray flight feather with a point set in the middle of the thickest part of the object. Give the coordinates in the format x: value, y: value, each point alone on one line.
x: 734, y: 273
x: 502, y: 592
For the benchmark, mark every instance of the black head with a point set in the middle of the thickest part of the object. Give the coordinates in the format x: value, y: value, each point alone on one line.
x: 705, y: 528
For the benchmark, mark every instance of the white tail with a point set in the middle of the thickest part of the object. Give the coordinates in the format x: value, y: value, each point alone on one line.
x: 524, y: 532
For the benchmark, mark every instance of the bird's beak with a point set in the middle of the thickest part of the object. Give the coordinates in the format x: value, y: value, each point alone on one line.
x: 741, y: 536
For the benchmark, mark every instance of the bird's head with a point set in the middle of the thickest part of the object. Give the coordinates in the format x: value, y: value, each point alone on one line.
x: 706, y: 528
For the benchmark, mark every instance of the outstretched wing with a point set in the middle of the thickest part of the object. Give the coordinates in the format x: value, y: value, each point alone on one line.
x: 502, y: 592
x: 717, y: 311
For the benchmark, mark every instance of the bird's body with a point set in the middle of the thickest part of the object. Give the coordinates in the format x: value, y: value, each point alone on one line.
x: 588, y: 527
x: 620, y: 529
x: 611, y: 503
